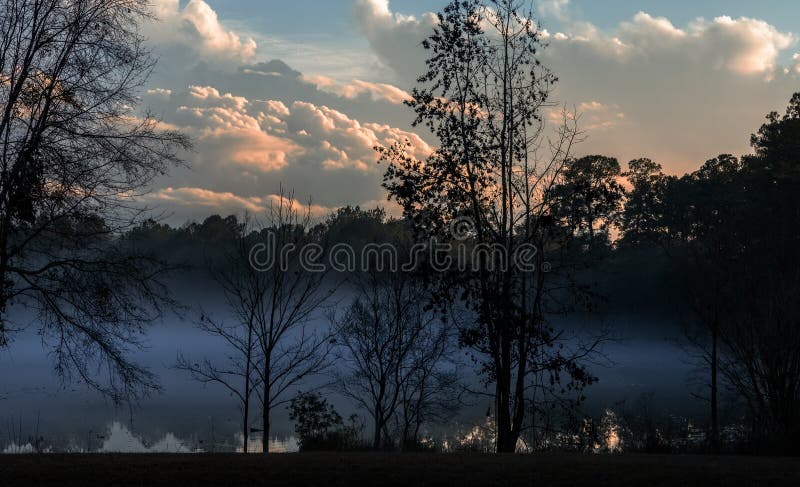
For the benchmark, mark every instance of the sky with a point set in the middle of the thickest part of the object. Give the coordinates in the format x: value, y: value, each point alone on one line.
x: 293, y: 96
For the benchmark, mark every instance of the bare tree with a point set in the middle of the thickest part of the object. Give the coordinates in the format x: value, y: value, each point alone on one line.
x: 393, y: 349
x: 273, y: 284
x: 760, y: 354
x: 432, y: 395
x: 74, y: 154
x: 243, y: 289
x: 293, y: 286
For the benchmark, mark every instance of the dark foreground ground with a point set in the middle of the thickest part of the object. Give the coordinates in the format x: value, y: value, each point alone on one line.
x: 358, y: 469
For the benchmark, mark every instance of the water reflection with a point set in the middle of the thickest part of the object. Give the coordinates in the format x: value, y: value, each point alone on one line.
x: 119, y: 439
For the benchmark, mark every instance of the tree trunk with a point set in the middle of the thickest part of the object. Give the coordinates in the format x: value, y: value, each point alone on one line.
x: 376, y: 438
x: 265, y: 417
x: 245, y: 428
x: 246, y: 405
x: 715, y: 441
x: 505, y: 436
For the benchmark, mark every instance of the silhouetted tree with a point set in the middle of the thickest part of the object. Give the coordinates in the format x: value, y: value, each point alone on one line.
x: 762, y: 359
x: 76, y: 152
x: 483, y: 97
x: 731, y: 228
x: 432, y: 393
x: 392, y: 352
x: 274, y: 282
x: 291, y: 283
x: 358, y: 227
x: 707, y: 250
x: 244, y: 291
x: 642, y: 215
x: 590, y: 198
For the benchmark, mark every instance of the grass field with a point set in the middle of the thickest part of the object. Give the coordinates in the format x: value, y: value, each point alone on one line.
x: 356, y: 469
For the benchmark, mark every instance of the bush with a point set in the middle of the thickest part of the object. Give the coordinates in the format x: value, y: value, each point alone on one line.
x: 319, y: 427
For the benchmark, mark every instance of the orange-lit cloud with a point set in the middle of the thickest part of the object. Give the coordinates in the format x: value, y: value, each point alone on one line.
x: 228, y: 203
x: 356, y: 88
x: 216, y: 201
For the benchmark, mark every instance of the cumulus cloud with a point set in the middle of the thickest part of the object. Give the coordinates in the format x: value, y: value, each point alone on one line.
x: 192, y: 203
x: 356, y: 88
x: 558, y: 9
x: 197, y: 28
x: 394, y: 37
x: 226, y: 131
x: 159, y: 92
x: 743, y: 46
x: 247, y: 147
x: 306, y: 130
x: 687, y: 94
x: 594, y: 116
x: 267, y: 135
x: 224, y: 202
x: 340, y: 141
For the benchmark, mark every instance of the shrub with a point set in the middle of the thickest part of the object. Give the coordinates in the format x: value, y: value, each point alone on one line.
x: 319, y: 427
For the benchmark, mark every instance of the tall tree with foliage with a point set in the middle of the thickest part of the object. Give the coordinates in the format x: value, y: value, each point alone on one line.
x: 641, y: 218
x: 731, y: 228
x: 762, y: 358
x: 703, y: 217
x: 483, y: 96
x: 590, y: 198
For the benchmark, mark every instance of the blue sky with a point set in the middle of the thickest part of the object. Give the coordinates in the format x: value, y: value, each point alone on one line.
x: 308, y: 16
x: 333, y: 18
x: 331, y: 22
x: 296, y: 93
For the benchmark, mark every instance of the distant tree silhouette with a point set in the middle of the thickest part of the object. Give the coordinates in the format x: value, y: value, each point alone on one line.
x: 357, y: 227
x: 590, y: 198
x: 731, y: 230
x: 643, y: 211
x: 75, y: 153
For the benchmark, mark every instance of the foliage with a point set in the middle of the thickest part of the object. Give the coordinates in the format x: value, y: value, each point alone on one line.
x: 319, y: 427
x: 731, y: 227
x: 589, y: 199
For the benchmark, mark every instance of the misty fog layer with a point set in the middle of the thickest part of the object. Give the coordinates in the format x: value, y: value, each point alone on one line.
x: 644, y: 360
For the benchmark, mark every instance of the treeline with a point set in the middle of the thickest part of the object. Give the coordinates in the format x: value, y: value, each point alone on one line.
x: 730, y: 229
